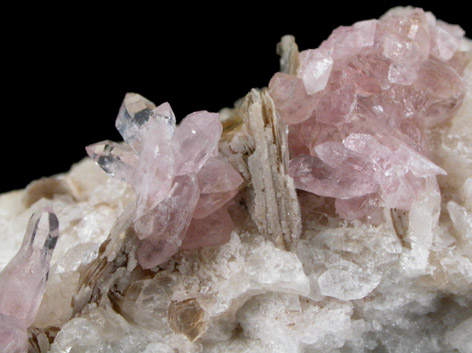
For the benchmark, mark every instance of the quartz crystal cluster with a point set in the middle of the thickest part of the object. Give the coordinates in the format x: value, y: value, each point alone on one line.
x: 180, y: 182
x: 360, y: 107
x: 372, y: 253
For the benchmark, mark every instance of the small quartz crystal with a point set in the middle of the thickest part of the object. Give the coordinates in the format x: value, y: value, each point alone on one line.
x: 23, y: 281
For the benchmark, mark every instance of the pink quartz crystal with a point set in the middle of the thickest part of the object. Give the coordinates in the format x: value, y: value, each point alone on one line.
x: 23, y: 281
x: 358, y: 131
x: 315, y: 68
x: 179, y: 180
x: 196, y: 140
x: 293, y: 101
x: 214, y: 229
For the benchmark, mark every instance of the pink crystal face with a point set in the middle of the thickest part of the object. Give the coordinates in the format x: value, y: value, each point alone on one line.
x: 179, y: 180
x: 214, y: 229
x: 196, y: 140
x: 23, y: 281
x: 360, y: 107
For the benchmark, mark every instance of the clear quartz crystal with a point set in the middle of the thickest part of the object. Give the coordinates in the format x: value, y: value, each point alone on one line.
x: 117, y: 160
x: 133, y: 115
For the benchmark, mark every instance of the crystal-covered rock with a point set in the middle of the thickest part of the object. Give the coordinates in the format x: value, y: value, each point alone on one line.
x: 293, y: 277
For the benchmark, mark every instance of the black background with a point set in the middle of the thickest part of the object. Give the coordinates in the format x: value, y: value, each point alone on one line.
x: 66, y: 70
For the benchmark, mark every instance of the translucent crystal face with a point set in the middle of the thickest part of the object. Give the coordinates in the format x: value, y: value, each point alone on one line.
x: 360, y: 106
x: 176, y: 175
x: 117, y: 160
x: 164, y: 113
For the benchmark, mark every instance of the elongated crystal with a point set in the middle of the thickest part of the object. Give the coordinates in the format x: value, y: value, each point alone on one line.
x: 134, y: 113
x: 167, y: 224
x: 117, y: 160
x: 23, y: 280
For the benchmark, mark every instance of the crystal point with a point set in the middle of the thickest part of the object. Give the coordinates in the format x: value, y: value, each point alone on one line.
x: 344, y: 40
x: 315, y: 68
x: 134, y: 113
x: 164, y: 112
x: 117, y: 160
x: 446, y: 39
x: 313, y: 175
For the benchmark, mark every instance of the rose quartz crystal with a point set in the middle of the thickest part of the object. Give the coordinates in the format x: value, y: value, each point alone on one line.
x: 181, y: 185
x: 360, y: 107
x: 23, y: 281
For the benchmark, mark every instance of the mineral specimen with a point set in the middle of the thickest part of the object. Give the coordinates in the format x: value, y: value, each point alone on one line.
x: 372, y: 253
